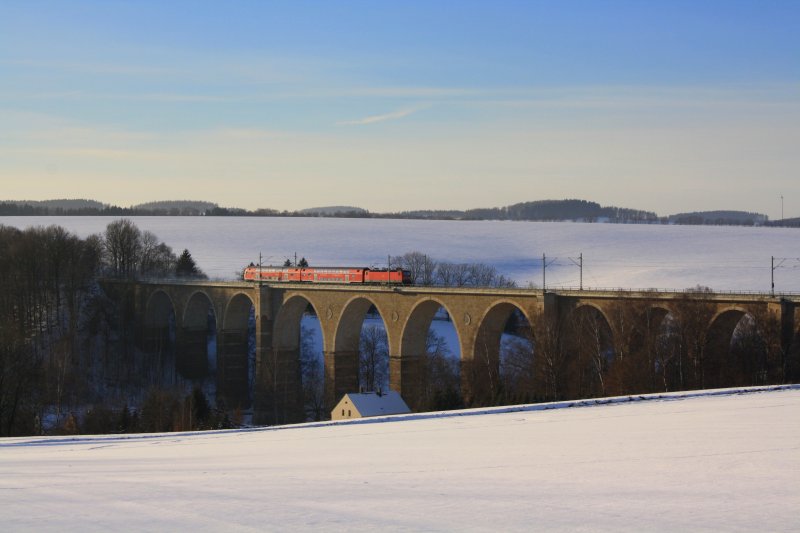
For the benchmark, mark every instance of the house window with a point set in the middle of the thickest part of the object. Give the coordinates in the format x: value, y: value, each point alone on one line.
x: 348, y: 412
x: 342, y: 412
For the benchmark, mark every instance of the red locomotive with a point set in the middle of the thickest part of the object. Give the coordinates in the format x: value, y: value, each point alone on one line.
x: 327, y: 275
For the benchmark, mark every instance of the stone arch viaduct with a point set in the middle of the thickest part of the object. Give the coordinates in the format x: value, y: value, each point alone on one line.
x: 273, y: 312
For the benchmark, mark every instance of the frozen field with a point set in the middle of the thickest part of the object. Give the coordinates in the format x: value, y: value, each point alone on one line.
x: 614, y: 255
x: 726, y: 462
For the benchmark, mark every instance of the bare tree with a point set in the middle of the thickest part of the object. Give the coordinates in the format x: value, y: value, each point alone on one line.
x: 421, y: 267
x: 482, y: 275
x: 445, y: 274
x: 44, y: 275
x: 312, y: 371
x: 667, y: 354
x: 462, y: 275
x: 123, y: 244
x: 632, y: 368
x: 440, y: 376
x: 693, y: 317
x: 591, y: 352
x: 157, y: 259
x: 518, y: 371
x: 551, y: 356
x: 374, y: 359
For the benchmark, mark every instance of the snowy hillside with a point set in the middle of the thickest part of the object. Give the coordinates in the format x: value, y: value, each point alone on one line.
x: 614, y: 255
x: 710, y: 462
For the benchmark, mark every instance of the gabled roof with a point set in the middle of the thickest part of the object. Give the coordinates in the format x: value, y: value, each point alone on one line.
x: 373, y: 404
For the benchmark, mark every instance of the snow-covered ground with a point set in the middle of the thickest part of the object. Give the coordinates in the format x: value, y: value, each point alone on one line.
x: 614, y: 255
x: 713, y: 462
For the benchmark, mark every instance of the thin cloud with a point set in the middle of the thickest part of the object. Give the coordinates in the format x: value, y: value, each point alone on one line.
x: 415, y: 92
x: 93, y: 68
x: 373, y: 119
x: 612, y: 97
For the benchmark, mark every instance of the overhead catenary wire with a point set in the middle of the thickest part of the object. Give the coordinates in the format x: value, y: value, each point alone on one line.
x: 579, y: 264
x: 572, y: 261
x: 544, y: 271
x: 774, y: 267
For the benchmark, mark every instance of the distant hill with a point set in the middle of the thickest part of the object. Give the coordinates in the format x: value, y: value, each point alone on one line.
x: 177, y: 207
x: 439, y: 214
x: 725, y: 218
x: 578, y: 210
x: 785, y: 223
x: 333, y: 210
x: 66, y: 204
x: 51, y: 207
x: 544, y: 210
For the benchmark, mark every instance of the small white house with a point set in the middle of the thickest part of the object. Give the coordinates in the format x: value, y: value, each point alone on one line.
x: 362, y: 405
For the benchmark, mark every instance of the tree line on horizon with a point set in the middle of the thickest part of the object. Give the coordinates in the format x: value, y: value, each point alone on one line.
x: 540, y: 210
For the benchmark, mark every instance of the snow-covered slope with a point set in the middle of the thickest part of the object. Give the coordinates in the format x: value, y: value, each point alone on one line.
x: 717, y: 462
x: 614, y: 255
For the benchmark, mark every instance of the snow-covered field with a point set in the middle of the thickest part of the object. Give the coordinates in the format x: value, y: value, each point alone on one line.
x: 727, y: 462
x: 614, y: 255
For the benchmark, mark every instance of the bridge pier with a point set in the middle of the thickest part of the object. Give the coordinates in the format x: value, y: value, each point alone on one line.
x: 341, y: 375
x: 155, y: 338
x: 159, y: 351
x: 480, y: 379
x: 790, y: 341
x: 264, y: 344
x: 406, y: 376
x: 281, y: 394
x: 233, y: 382
x: 191, y: 353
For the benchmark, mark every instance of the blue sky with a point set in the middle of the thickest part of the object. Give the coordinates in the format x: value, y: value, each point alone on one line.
x: 667, y: 106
